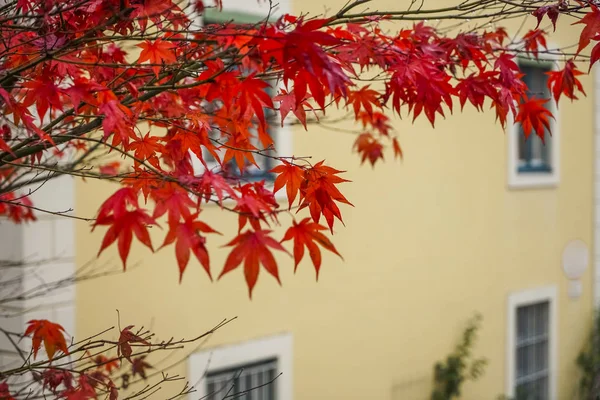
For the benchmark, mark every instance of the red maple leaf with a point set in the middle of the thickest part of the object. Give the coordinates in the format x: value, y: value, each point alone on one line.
x: 16, y: 210
x: 307, y: 63
x: 291, y: 176
x: 252, y: 247
x: 43, y: 92
x: 551, y: 11
x: 122, y: 213
x: 240, y: 149
x: 123, y: 228
x: 254, y: 203
x: 108, y: 364
x: 125, y: 339
x: 184, y: 140
x: 591, y: 20
x: 118, y: 203
x: 147, y: 149
x: 533, y: 40
x: 594, y: 55
x: 111, y: 168
x: 4, y: 392
x: 369, y: 147
x: 117, y: 119
x: 565, y: 81
x: 252, y: 95
x: 377, y: 121
x: 365, y: 98
x: 397, y: 148
x: 50, y: 333
x: 307, y: 233
x: 188, y: 238
x: 157, y: 52
x: 5, y: 147
x: 153, y: 10
x: 139, y: 367
x: 54, y: 378
x: 173, y: 199
x: 287, y: 103
x: 319, y: 193
x: 533, y: 115
x: 210, y: 183
x: 84, y: 390
x: 476, y: 87
x: 82, y: 91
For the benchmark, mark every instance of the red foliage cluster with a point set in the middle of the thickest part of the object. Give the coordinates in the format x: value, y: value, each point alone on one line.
x: 204, y: 93
x: 69, y: 86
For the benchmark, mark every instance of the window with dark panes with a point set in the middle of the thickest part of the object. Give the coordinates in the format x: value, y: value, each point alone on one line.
x: 532, y: 352
x: 533, y: 154
x: 254, y: 381
x: 263, y: 160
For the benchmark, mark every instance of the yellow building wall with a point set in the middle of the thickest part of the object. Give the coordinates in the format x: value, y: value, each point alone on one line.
x: 431, y: 241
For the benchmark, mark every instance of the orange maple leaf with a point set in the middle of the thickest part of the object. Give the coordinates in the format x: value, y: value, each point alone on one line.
x: 369, y: 147
x: 147, y: 148
x: 157, y: 52
x: 48, y: 332
x: 365, y: 97
x: 252, y: 247
x: 307, y: 233
x: 397, y: 148
x: 319, y: 193
x: 291, y: 176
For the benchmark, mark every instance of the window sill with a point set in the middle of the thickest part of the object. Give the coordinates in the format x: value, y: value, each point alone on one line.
x: 533, y: 180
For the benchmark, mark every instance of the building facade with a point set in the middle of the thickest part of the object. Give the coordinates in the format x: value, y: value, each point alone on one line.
x: 474, y: 220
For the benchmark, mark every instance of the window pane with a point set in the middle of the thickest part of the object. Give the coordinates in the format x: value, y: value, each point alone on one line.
x: 210, y: 388
x: 271, y: 386
x: 248, y: 386
x: 541, y: 356
x: 524, y: 391
x: 543, y: 388
x: 522, y: 323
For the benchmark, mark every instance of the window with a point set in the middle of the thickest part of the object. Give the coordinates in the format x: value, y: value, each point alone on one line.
x: 262, y: 366
x: 280, y: 135
x: 264, y: 162
x: 532, y: 352
x: 531, y: 345
x: 531, y: 161
x: 253, y: 381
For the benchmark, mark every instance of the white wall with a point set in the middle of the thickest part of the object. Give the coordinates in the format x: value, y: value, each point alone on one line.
x: 45, y: 250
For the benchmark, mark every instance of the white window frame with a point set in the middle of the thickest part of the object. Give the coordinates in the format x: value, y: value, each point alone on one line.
x: 279, y: 347
x: 597, y: 187
x: 532, y: 180
x: 525, y: 298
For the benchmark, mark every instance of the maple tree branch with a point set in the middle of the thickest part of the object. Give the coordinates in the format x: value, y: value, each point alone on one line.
x: 65, y: 213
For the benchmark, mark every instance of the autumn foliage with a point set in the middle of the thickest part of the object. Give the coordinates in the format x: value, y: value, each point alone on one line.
x: 189, y: 108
